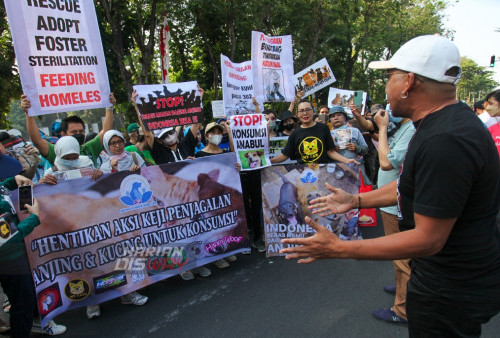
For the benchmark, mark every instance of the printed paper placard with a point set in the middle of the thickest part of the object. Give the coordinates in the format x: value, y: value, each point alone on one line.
x: 276, y: 144
x: 218, y: 109
x: 250, y: 140
x: 127, y: 231
x: 169, y: 105
x: 343, y: 98
x: 59, y: 54
x: 272, y: 63
x: 286, y: 193
x: 237, y: 87
x: 315, y: 77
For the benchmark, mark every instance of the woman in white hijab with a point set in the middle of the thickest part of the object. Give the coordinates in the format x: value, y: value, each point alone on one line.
x: 119, y: 159
x: 68, y: 157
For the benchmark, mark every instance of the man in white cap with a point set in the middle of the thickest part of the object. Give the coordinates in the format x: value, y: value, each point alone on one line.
x: 448, y: 193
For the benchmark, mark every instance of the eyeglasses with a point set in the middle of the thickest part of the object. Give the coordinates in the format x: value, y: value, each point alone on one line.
x: 387, y: 75
x: 116, y: 143
x: 302, y: 111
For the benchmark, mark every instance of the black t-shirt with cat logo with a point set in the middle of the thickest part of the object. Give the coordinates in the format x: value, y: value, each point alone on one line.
x: 310, y: 145
x: 451, y: 170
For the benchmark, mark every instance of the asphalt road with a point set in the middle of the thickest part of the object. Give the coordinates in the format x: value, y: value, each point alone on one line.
x: 259, y: 297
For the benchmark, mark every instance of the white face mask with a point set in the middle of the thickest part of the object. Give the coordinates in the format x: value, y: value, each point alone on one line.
x: 215, y: 139
x: 72, y: 164
x: 170, y: 140
x: 493, y: 110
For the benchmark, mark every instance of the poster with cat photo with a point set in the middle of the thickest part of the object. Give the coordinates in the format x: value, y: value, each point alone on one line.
x: 286, y: 193
x: 132, y: 229
x: 343, y: 98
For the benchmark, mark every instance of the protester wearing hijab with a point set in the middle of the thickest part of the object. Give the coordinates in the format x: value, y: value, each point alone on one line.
x: 15, y: 273
x: 119, y: 159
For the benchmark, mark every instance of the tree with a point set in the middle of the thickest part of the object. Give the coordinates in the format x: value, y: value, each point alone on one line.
x: 475, y: 82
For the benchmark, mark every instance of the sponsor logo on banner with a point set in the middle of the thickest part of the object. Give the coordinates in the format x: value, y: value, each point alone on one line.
x: 110, y: 281
x: 135, y: 192
x: 76, y: 290
x: 176, y: 259
x: 309, y: 176
x: 49, y: 299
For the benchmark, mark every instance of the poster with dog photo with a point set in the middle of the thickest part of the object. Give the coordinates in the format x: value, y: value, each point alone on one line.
x: 313, y: 78
x: 342, y: 137
x: 343, y: 98
x: 250, y: 140
x: 272, y: 64
x: 286, y: 193
x: 98, y: 240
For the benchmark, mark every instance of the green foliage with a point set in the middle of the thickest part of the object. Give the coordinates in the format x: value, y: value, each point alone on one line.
x: 476, y: 81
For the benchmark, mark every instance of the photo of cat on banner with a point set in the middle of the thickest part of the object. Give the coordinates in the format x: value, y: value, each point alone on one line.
x: 343, y: 98
x: 286, y: 193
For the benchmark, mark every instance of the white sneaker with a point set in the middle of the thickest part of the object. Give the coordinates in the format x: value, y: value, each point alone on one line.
x: 187, y: 275
x: 93, y: 311
x: 221, y: 263
x: 134, y: 298
x: 246, y: 252
x: 202, y: 271
x: 52, y: 329
x: 231, y: 258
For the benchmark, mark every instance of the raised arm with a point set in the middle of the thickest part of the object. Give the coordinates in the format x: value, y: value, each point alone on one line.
x: 300, y: 94
x: 108, y: 119
x: 364, y: 123
x: 33, y: 132
x: 382, y: 120
x: 256, y: 104
x: 148, y: 136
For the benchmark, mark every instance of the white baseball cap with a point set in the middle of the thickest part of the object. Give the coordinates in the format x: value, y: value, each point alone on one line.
x: 160, y: 132
x: 430, y: 56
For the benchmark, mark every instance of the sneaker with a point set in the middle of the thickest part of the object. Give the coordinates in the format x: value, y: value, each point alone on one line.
x: 390, y: 289
x: 261, y: 246
x: 52, y: 329
x: 221, y: 263
x: 246, y: 252
x: 231, y: 258
x: 134, y: 298
x: 202, y: 271
x: 187, y: 275
x: 389, y: 316
x: 93, y: 311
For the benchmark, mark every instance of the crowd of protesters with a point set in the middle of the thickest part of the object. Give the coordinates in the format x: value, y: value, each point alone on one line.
x: 378, y: 144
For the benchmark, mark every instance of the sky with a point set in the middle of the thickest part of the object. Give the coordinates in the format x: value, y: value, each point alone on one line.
x: 474, y: 23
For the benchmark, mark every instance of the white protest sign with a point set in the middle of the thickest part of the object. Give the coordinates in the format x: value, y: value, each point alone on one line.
x: 218, y: 109
x: 315, y: 77
x: 237, y: 87
x: 250, y: 140
x: 272, y: 63
x: 343, y: 98
x: 59, y: 52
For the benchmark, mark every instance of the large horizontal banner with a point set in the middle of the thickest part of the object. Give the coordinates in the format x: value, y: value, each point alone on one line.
x: 169, y: 105
x: 100, y: 240
x: 59, y: 53
x: 286, y: 193
x: 315, y: 77
x: 250, y: 140
x: 272, y: 64
x: 237, y: 87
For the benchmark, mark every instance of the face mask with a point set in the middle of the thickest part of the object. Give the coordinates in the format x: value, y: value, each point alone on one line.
x: 493, y: 110
x: 288, y: 126
x: 170, y: 140
x: 215, y: 139
x: 80, y: 138
x: 70, y: 163
x: 272, y: 123
x: 394, y: 119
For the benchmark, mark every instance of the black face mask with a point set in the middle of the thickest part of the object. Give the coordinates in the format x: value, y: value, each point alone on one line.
x: 288, y: 126
x: 80, y: 138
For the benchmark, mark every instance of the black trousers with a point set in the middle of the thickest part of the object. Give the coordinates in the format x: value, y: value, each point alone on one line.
x: 22, y: 297
x: 431, y: 316
x: 252, y: 198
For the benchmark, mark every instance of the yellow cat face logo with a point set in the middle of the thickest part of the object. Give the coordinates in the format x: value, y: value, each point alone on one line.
x: 77, y: 289
x: 310, y: 148
x: 4, y: 230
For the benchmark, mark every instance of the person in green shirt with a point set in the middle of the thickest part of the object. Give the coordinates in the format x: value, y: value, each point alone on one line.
x: 138, y: 143
x: 15, y: 272
x: 70, y: 126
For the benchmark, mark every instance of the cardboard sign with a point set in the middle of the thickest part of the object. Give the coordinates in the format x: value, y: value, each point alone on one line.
x: 59, y: 52
x: 313, y: 78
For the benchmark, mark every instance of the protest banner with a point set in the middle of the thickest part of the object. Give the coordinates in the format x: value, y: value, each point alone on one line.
x: 169, y: 105
x: 276, y: 144
x: 272, y: 64
x: 250, y: 140
x: 286, y: 193
x: 313, y: 78
x: 237, y: 87
x: 100, y: 240
x: 218, y: 109
x: 59, y: 53
x: 343, y: 98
